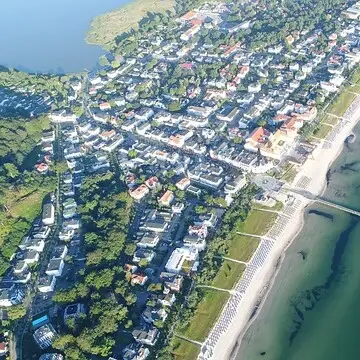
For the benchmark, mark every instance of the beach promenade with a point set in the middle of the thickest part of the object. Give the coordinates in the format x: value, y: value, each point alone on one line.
x: 251, y: 290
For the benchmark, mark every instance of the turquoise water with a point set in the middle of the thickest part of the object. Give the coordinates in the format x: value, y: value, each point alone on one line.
x: 49, y: 35
x: 313, y: 310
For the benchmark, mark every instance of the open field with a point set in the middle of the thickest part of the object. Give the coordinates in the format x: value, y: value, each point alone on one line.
x: 27, y: 206
x: 277, y: 207
x: 341, y: 104
x: 104, y: 28
x: 331, y: 120
x: 184, y: 350
x: 354, y: 88
x: 242, y: 247
x: 206, y: 314
x: 257, y: 223
x: 228, y: 275
x: 322, y: 131
x: 290, y: 175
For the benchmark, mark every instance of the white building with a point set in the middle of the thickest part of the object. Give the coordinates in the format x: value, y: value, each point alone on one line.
x: 62, y: 116
x: 47, y: 284
x: 179, y: 256
x: 233, y: 187
x: 55, y: 267
x: 48, y: 215
x: 45, y: 335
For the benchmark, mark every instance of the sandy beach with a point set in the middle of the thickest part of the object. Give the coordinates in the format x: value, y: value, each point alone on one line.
x: 251, y: 291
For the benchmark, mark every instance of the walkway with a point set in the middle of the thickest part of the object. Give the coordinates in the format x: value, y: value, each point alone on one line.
x: 230, y: 259
x: 255, y: 236
x: 189, y: 340
x: 352, y: 92
x: 268, y: 210
x: 215, y: 288
x: 337, y: 116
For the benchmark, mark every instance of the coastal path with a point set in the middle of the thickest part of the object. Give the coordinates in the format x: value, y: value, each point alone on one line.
x: 255, y: 236
x: 189, y: 340
x: 215, y: 288
x: 337, y: 116
x: 231, y: 259
x: 269, y: 210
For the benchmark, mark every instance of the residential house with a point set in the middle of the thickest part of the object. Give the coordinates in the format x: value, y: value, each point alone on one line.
x: 140, y: 192
x: 55, y: 267
x: 138, y: 279
x: 45, y: 335
x: 48, y: 214
x: 135, y: 351
x: 156, y: 313
x: 167, y: 198
x: 146, y: 335
x: 47, y: 283
x: 179, y: 256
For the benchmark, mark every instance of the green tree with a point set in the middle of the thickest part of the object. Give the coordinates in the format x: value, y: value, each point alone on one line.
x: 11, y: 170
x: 100, y: 279
x: 115, y: 64
x: 130, y: 249
x: 16, y: 312
x: 132, y: 153
x: 174, y: 106
x: 103, y: 61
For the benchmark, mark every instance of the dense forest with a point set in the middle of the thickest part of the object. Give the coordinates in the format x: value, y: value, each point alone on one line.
x: 103, y: 286
x: 36, y: 83
x: 21, y: 188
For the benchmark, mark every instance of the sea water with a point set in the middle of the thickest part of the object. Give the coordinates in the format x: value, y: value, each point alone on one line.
x: 49, y: 35
x: 313, y: 310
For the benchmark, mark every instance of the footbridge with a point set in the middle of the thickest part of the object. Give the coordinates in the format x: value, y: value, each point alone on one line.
x: 320, y: 200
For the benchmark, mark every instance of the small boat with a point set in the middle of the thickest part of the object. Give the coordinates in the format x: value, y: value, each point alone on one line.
x: 350, y: 139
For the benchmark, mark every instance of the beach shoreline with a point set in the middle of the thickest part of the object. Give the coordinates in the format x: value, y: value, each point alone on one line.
x: 255, y: 296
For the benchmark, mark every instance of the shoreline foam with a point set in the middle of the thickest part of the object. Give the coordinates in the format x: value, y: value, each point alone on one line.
x: 254, y: 297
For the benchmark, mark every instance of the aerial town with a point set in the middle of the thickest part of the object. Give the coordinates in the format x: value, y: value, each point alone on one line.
x: 184, y: 144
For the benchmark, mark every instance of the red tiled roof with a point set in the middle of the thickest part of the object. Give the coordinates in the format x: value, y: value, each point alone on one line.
x: 259, y: 133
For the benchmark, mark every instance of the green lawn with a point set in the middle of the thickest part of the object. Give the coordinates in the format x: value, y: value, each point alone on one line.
x: 242, y: 247
x: 206, y: 314
x: 355, y: 77
x: 290, y: 175
x: 341, y: 104
x: 354, y: 88
x: 228, y: 275
x: 257, y: 223
x: 27, y: 207
x: 184, y: 350
x: 331, y: 120
x: 322, y: 131
x: 277, y: 207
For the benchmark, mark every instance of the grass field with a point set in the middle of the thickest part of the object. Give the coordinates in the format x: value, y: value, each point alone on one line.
x: 242, y: 247
x: 354, y: 88
x: 331, y: 120
x: 28, y: 207
x: 184, y: 350
x: 277, y: 207
x: 228, y: 275
x: 206, y: 314
x: 341, y: 104
x: 290, y: 174
x: 104, y: 28
x: 257, y: 223
x: 322, y: 131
